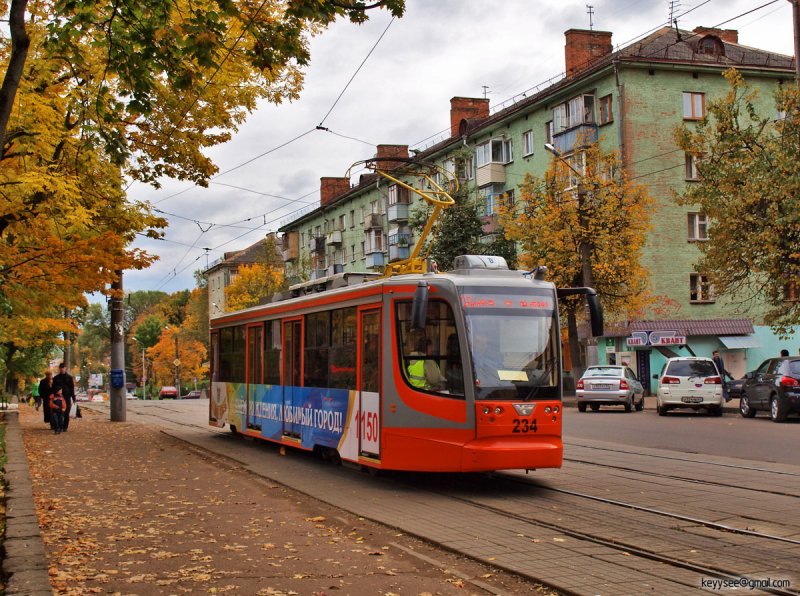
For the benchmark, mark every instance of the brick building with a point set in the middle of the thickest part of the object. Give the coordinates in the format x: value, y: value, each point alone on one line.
x: 631, y: 100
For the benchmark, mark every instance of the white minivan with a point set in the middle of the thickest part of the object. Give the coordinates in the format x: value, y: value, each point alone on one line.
x: 689, y: 382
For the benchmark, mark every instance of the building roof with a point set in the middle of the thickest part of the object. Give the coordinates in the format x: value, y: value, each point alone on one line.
x: 687, y: 327
x: 666, y: 45
x: 255, y: 253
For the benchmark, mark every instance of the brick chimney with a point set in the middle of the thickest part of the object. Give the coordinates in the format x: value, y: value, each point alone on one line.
x: 332, y: 187
x: 385, y: 151
x: 728, y: 35
x: 584, y: 47
x: 466, y: 108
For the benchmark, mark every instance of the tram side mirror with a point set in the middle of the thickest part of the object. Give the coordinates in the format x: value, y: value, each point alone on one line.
x: 419, y: 308
x: 595, y: 314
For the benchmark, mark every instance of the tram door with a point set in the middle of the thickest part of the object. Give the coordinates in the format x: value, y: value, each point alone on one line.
x: 255, y: 372
x: 369, y: 382
x: 292, y: 369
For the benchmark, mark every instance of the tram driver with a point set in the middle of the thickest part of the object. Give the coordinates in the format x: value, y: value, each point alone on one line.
x: 423, y: 372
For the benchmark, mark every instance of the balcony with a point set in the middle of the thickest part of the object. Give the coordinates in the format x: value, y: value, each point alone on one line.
x: 373, y: 221
x: 398, y: 212
x: 491, y: 173
x: 317, y: 245
x: 574, y: 138
x: 398, y: 252
x: 334, y: 237
x: 375, y: 259
x: 290, y: 246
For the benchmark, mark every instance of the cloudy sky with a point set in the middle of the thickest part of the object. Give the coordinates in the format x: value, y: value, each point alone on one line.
x: 439, y: 49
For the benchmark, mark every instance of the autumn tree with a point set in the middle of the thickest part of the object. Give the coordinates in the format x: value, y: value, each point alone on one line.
x: 191, y: 353
x: 586, y: 222
x: 749, y: 188
x: 253, y: 285
x: 97, y: 94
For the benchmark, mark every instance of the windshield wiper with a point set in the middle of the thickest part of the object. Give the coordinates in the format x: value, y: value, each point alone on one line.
x: 535, y: 389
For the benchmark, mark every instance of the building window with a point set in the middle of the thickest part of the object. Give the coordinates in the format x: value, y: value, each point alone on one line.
x: 527, y: 142
x: 698, y: 226
x: 465, y: 168
x: 691, y: 167
x: 700, y: 288
x: 363, y: 250
x: 352, y: 253
x: 606, y: 115
x: 341, y: 222
x: 492, y: 195
x: 694, y: 105
x: 548, y: 131
x: 373, y: 207
x: 352, y: 218
x: 362, y: 213
x: 494, y: 151
x: 578, y: 110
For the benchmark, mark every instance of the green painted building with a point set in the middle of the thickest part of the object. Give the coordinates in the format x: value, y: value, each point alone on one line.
x: 631, y: 99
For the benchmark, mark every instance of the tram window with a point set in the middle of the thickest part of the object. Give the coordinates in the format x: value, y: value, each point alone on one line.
x: 272, y: 353
x: 342, y: 372
x: 431, y: 359
x: 231, y: 354
x: 317, y: 344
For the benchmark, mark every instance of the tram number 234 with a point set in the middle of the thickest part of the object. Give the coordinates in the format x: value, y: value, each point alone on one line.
x: 367, y: 425
x: 523, y: 425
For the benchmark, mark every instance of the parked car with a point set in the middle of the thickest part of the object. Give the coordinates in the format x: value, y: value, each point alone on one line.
x: 82, y: 396
x: 168, y: 392
x: 689, y: 382
x: 609, y: 386
x: 100, y: 396
x: 194, y: 394
x: 774, y: 387
x: 130, y: 395
x: 735, y: 387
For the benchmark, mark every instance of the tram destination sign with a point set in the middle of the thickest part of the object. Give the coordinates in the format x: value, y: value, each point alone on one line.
x: 655, y: 338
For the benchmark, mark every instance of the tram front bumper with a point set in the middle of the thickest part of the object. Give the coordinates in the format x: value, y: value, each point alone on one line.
x: 508, y: 453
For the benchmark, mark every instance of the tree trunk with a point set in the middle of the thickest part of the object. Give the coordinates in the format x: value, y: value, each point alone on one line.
x: 20, y: 42
x: 574, y: 345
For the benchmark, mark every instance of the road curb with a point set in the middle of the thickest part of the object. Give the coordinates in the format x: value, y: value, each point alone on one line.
x: 24, y: 561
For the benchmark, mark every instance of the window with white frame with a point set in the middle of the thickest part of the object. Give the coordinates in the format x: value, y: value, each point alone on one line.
x: 344, y: 255
x: 527, y: 142
x: 578, y: 110
x: 352, y: 218
x: 700, y: 288
x: 363, y: 250
x: 606, y: 113
x: 694, y: 105
x: 548, y: 131
x: 578, y: 163
x: 691, y: 167
x: 698, y: 226
x: 353, y: 253
x: 465, y: 168
x: 341, y: 222
x: 494, y: 151
x: 362, y: 213
x: 491, y: 194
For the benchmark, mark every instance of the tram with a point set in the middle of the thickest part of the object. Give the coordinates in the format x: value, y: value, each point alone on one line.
x: 444, y: 372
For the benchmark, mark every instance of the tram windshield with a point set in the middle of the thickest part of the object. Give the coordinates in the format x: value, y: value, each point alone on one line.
x: 513, y: 338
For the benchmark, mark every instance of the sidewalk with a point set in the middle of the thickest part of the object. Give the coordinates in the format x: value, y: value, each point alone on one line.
x: 126, y: 509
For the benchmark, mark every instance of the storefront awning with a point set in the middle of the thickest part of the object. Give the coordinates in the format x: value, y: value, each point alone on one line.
x: 739, y: 342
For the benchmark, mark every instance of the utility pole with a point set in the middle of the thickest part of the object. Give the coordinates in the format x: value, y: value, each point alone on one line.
x: 177, y: 366
x: 117, y: 351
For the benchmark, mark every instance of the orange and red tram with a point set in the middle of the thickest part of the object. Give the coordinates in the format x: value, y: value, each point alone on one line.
x: 451, y: 372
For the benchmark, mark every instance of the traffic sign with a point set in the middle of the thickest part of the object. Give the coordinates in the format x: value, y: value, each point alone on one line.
x: 176, y: 362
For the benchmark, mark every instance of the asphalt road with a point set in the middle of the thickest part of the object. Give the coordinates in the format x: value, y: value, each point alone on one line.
x: 758, y: 439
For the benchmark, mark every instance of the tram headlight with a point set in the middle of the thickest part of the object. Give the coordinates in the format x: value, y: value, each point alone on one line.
x: 498, y: 410
x: 555, y: 409
x: 547, y: 410
x: 485, y: 410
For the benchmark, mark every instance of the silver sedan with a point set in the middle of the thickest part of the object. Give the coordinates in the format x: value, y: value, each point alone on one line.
x: 609, y: 386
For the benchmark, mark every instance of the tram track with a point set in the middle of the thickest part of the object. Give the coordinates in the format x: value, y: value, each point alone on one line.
x: 687, y: 460
x: 631, y: 549
x: 681, y: 478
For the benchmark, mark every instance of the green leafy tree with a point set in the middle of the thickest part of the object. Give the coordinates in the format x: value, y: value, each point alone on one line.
x: 749, y: 188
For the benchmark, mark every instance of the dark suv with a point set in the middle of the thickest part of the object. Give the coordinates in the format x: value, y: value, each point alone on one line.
x: 774, y: 387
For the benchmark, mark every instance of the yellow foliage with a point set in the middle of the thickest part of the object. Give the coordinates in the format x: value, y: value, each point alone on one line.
x: 602, y: 209
x: 253, y: 285
x: 191, y: 353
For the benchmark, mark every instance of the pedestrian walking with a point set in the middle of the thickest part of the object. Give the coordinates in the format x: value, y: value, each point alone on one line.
x: 45, y: 389
x: 722, y: 373
x: 63, y: 380
x: 58, y: 410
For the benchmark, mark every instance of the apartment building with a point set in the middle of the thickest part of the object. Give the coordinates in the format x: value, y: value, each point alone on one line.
x: 630, y: 100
